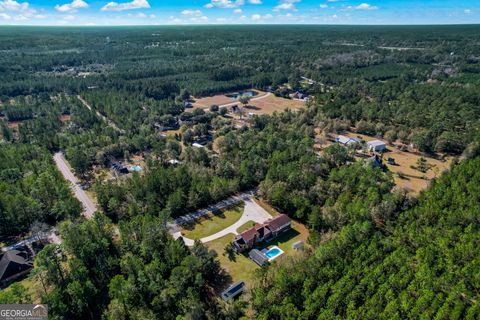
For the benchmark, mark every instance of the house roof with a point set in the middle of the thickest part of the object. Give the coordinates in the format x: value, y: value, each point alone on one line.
x: 376, y: 143
x: 346, y: 140
x: 258, y: 257
x: 13, y: 262
x: 279, y: 221
x: 249, y: 234
x: 343, y: 139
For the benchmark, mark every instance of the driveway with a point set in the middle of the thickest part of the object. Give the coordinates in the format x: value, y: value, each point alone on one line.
x: 252, y: 212
x: 88, y: 206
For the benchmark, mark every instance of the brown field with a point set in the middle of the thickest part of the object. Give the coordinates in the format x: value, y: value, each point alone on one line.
x: 220, y: 99
x: 271, y: 104
x: 413, y: 179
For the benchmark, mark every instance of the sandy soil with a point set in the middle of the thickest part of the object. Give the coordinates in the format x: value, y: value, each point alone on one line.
x: 272, y: 103
x: 413, y: 180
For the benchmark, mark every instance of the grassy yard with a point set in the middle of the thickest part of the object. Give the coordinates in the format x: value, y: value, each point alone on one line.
x: 246, y: 226
x: 33, y: 289
x: 298, y: 233
x: 213, y: 223
x: 239, y: 268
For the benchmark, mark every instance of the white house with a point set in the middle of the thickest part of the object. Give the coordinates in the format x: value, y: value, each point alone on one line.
x: 376, y: 145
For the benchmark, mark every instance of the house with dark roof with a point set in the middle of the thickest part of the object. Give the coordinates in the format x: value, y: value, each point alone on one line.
x: 13, y: 265
x: 260, y: 232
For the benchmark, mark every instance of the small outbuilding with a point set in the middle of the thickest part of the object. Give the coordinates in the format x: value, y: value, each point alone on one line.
x: 297, y: 245
x: 376, y: 145
x: 233, y: 291
x: 346, y: 140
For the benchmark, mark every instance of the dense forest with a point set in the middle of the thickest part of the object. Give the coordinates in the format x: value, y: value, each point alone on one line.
x: 102, y: 95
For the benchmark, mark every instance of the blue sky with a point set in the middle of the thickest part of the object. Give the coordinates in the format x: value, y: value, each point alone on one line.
x: 161, y: 12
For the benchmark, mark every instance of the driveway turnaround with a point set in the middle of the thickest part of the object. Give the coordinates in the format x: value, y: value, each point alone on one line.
x: 252, y: 212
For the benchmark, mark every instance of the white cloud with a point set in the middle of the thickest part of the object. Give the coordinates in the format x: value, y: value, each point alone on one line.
x: 195, y: 13
x: 467, y: 11
x: 71, y: 7
x: 237, y: 11
x: 363, y: 6
x: 286, y: 5
x: 224, y: 4
x: 135, y: 4
x: 5, y: 16
x: 12, y: 5
x: 324, y: 6
x: 69, y: 17
x: 255, y: 1
x: 221, y: 20
x: 257, y: 17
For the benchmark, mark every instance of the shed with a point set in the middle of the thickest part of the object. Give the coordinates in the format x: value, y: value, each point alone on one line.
x: 297, y: 245
x: 233, y: 291
x: 376, y: 145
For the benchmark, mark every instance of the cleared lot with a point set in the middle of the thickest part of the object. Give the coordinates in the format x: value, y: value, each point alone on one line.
x: 272, y: 104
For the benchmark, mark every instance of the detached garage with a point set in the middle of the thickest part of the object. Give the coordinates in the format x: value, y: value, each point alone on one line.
x: 376, y: 145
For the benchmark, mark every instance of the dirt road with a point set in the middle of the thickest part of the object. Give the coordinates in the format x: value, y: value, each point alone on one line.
x: 88, y: 205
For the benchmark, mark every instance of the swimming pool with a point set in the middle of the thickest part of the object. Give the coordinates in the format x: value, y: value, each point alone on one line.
x: 136, y: 168
x: 273, y: 253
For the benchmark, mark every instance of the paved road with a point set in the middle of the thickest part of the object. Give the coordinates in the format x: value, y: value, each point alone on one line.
x: 252, y: 212
x: 89, y: 207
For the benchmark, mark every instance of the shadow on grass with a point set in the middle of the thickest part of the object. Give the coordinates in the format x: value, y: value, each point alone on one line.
x: 221, y: 282
x: 282, y: 238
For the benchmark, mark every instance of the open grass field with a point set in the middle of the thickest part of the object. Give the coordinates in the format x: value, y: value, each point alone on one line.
x: 272, y: 104
x: 213, y: 222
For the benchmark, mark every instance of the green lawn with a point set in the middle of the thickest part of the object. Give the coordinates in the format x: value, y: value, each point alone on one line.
x: 245, y: 226
x: 241, y: 268
x: 285, y: 241
x: 213, y: 223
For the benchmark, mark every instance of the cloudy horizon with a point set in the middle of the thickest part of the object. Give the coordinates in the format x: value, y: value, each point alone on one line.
x: 182, y: 12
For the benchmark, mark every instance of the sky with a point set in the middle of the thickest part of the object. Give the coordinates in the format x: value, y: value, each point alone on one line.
x: 178, y: 12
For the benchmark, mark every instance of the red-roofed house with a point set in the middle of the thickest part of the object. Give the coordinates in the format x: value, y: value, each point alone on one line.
x: 262, y: 232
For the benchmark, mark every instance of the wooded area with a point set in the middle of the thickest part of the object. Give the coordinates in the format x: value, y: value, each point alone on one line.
x: 107, y: 95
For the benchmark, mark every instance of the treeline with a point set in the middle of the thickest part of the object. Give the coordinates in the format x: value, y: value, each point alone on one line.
x: 31, y: 190
x: 404, y: 259
x: 135, y: 272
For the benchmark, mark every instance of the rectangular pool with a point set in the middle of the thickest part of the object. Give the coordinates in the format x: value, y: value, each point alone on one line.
x: 273, y: 253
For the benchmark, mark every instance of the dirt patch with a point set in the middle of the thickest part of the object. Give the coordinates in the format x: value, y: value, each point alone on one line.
x: 272, y: 104
x: 65, y: 118
x: 405, y: 173
x: 221, y: 99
